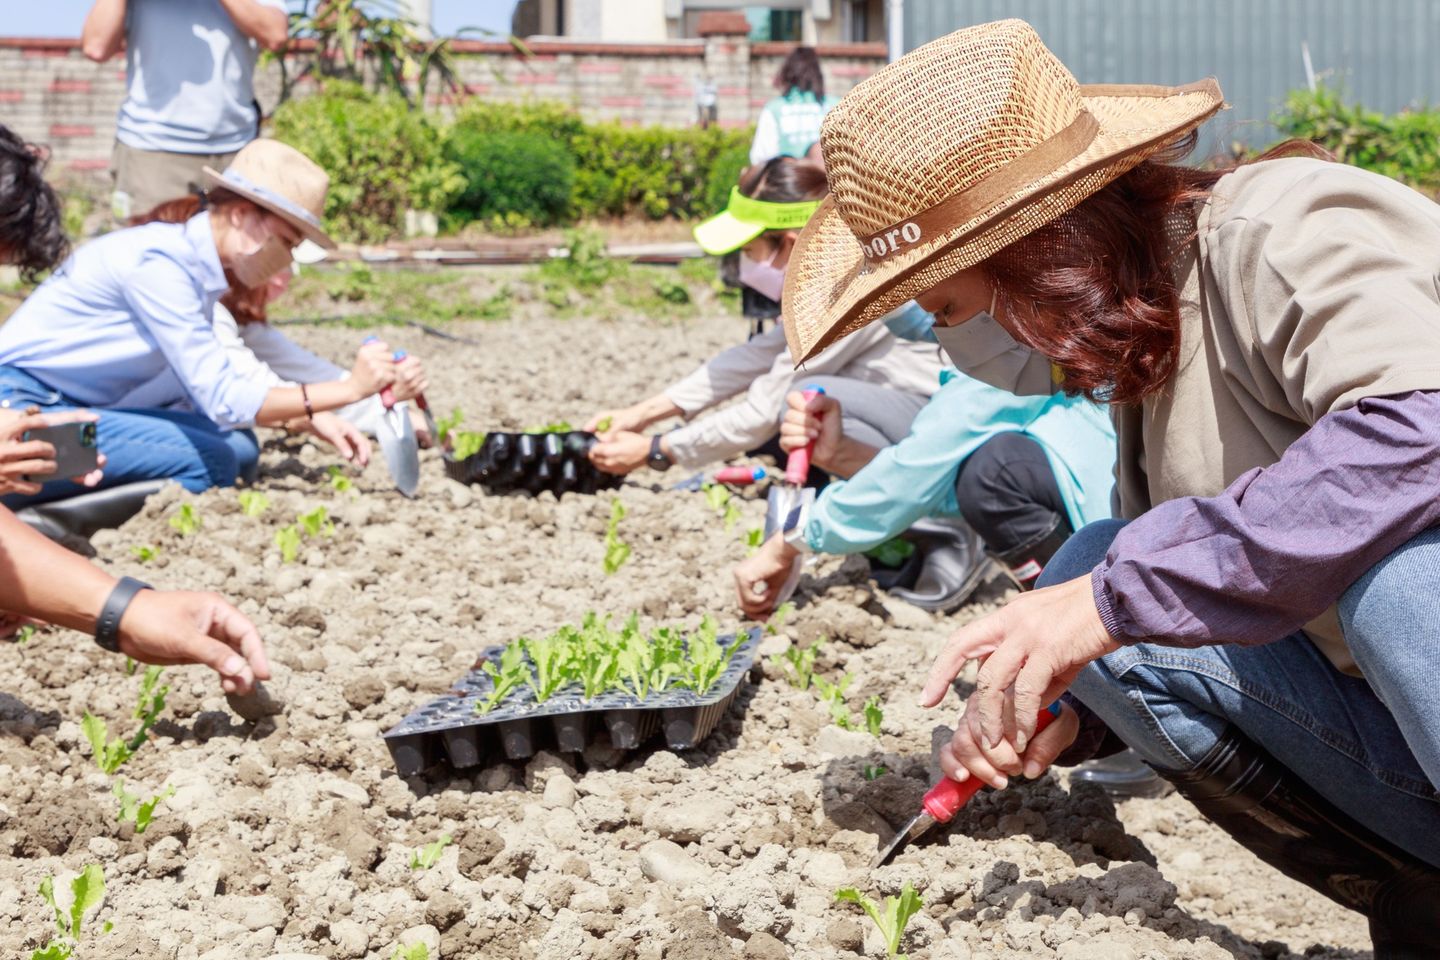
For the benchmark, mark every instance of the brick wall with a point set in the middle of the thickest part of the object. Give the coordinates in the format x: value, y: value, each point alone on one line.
x: 50, y: 93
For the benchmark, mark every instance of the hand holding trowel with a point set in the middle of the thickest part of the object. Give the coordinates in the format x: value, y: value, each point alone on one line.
x: 396, y: 436
x: 786, y: 502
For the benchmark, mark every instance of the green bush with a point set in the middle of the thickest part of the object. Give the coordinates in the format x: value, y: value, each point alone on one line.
x: 381, y: 155
x: 724, y: 174
x: 1405, y: 146
x: 516, y: 179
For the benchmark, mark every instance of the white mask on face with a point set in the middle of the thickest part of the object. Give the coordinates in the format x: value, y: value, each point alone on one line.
x: 764, y: 278
x: 983, y: 349
x: 255, y: 269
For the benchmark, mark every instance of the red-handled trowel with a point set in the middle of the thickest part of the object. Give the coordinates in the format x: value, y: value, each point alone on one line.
x: 396, y: 436
x: 786, y: 500
x: 945, y: 799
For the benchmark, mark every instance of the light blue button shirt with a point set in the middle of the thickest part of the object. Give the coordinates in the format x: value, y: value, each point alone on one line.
x: 126, y: 321
x: 190, y: 78
x: 916, y: 477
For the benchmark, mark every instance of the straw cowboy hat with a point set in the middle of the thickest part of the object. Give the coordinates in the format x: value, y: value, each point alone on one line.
x: 950, y: 154
x: 281, y: 179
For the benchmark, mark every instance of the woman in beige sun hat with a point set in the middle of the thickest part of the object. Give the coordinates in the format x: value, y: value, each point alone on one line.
x: 1263, y: 631
x: 125, y: 326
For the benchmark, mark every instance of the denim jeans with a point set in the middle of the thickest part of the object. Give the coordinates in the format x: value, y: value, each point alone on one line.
x: 140, y: 444
x: 1371, y: 746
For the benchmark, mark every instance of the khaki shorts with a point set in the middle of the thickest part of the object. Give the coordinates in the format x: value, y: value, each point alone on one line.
x: 146, y: 178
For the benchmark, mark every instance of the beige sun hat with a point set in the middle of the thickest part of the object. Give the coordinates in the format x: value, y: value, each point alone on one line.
x: 281, y: 179
x: 953, y: 152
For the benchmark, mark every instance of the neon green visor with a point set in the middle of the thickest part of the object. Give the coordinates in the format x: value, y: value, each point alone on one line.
x: 745, y: 218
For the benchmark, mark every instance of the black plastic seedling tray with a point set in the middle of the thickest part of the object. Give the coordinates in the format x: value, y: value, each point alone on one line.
x: 448, y: 730
x: 532, y: 462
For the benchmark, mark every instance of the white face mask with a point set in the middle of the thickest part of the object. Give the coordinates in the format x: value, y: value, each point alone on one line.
x: 764, y: 278
x: 983, y: 349
x: 254, y: 270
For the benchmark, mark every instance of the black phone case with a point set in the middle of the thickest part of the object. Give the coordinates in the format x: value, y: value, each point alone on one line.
x: 77, y: 451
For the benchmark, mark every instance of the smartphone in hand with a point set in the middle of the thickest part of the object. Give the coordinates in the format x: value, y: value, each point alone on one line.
x: 77, y: 448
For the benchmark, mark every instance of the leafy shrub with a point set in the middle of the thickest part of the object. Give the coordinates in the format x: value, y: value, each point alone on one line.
x: 1405, y: 146
x: 516, y: 179
x: 655, y: 171
x: 381, y: 155
x: 724, y: 174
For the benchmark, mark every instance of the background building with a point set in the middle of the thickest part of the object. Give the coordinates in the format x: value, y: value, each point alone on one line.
x: 804, y: 21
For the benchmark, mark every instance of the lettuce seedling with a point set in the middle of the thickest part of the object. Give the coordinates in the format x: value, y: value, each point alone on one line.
x: 616, y: 550
x: 467, y: 444
x: 145, y: 553
x: 717, y: 495
x: 559, y: 426
x: 892, y: 918
x: 24, y: 634
x: 87, y: 890
x: 778, y: 618
x: 874, y: 716
x: 832, y: 695
x: 316, y: 523
x: 668, y: 659
x: 427, y: 856
x: 732, y: 515
x: 635, y: 658
x: 288, y: 540
x: 754, y: 540
x: 706, y: 659
x: 137, y: 811
x: 416, y: 951
x: 550, y: 657
x: 445, y: 425
x: 187, y: 521
x: 873, y: 772
x: 340, y: 481
x: 798, y: 663
x: 109, y: 754
x: 253, y: 503
x: 594, y: 660
x: 512, y: 674
x: 604, y: 424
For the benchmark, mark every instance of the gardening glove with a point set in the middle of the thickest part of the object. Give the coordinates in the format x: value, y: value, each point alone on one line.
x: 167, y: 627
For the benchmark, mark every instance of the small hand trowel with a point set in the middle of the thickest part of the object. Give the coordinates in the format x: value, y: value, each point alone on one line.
x: 786, y: 498
x: 945, y: 799
x: 397, y: 439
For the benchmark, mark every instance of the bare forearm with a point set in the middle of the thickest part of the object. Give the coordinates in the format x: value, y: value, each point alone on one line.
x: 103, y: 34
x: 267, y: 26
x: 849, y: 458
x: 288, y: 403
x: 657, y: 408
x: 43, y: 580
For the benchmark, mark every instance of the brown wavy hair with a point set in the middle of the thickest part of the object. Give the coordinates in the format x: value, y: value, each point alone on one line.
x: 1094, y: 289
x: 801, y: 71
x: 246, y: 304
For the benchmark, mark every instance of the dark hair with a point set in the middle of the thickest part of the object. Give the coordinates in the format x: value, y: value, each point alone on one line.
x: 1094, y: 290
x: 32, y: 230
x: 784, y: 180
x: 247, y: 304
x: 801, y: 71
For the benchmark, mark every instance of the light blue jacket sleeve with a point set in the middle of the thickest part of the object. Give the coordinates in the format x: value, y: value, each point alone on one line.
x: 172, y: 311
x: 916, y: 477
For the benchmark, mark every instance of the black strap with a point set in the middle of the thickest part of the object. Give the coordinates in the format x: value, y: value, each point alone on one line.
x: 107, y: 626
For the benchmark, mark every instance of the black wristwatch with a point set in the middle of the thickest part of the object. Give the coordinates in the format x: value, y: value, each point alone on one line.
x: 658, y: 459
x: 107, y: 626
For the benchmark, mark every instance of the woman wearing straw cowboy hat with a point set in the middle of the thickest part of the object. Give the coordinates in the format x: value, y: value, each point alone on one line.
x: 124, y: 326
x: 1263, y: 630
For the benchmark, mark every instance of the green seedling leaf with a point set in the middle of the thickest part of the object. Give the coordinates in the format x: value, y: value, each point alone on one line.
x: 891, y: 919
x: 635, y: 660
x: 24, y: 634
x: 797, y: 663
x: 253, y: 503
x: 873, y: 772
x: 87, y: 890
x: 429, y: 855
x: 340, y: 481
x: 832, y: 695
x: 732, y: 515
x: 288, y: 540
x: 559, y: 426
x: 667, y: 659
x: 467, y: 444
x: 134, y: 810
x: 754, y: 540
x: 187, y: 521
x: 717, y: 495
x: 705, y: 659
x: 129, y: 667
x: 145, y: 553
x: 512, y: 674
x: 616, y: 550
x: 54, y: 950
x: 316, y: 523
x: 444, y: 425
x: 604, y: 424
x: 551, y: 658
x: 416, y: 951
x: 874, y: 716
x: 892, y: 553
x: 778, y: 618
x: 109, y: 754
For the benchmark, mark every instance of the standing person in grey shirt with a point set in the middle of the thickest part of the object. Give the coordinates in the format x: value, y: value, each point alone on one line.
x: 190, y: 98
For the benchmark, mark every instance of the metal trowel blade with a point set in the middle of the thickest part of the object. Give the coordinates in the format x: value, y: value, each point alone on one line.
x: 913, y: 830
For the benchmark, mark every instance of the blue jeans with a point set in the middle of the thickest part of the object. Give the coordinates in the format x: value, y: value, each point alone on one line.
x: 140, y: 444
x: 1370, y: 746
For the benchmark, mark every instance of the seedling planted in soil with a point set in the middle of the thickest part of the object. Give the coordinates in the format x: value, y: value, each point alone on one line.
x: 798, y: 663
x: 340, y: 482
x: 416, y: 951
x: 187, y: 521
x: 778, y: 618
x: 109, y: 754
x: 892, y: 918
x: 832, y: 695
x: 253, y: 503
x: 137, y: 811
x: 429, y: 855
x: 616, y: 550
x: 873, y: 772
x: 288, y: 540
x: 316, y: 523
x: 874, y: 716
x: 24, y: 634
x: 145, y: 553
x: 87, y: 890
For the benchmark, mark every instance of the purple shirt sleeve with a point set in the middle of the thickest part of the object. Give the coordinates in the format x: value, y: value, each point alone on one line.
x: 1280, y: 544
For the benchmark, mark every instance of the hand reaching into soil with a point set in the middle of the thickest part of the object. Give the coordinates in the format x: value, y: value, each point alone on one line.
x: 758, y: 578
x: 173, y: 626
x: 21, y: 459
x: 343, y: 435
x: 1031, y: 651
x: 620, y: 451
x: 966, y: 755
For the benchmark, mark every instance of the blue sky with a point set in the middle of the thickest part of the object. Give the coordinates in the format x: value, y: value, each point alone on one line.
x: 62, y: 18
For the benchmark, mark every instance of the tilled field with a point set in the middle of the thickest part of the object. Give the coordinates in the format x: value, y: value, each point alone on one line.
x: 294, y: 838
